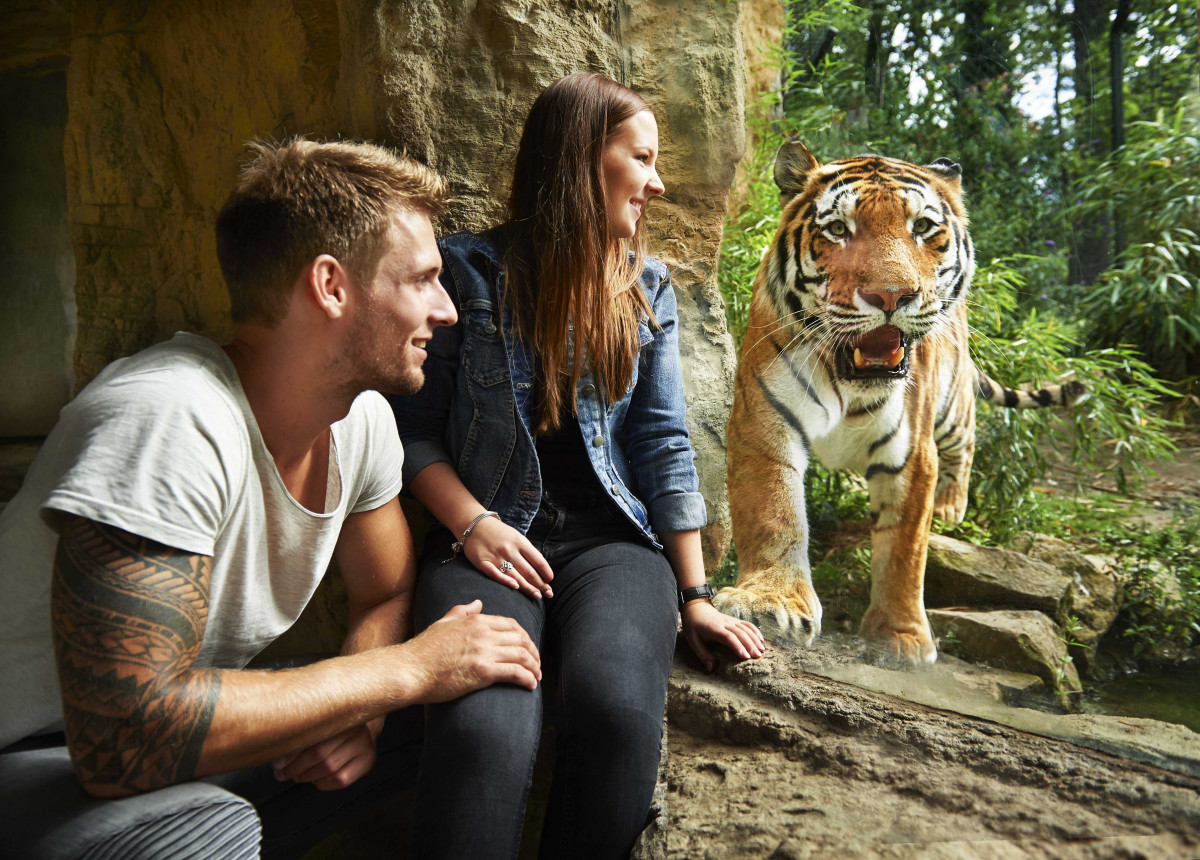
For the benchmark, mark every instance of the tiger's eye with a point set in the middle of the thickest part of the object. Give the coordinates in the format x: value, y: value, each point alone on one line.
x: 837, y: 228
x: 922, y: 225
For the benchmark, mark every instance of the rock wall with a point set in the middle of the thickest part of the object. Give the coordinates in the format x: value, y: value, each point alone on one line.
x: 762, y: 34
x: 161, y: 97
x: 37, y: 301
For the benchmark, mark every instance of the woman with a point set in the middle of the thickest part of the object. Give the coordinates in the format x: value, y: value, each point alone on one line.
x: 549, y: 441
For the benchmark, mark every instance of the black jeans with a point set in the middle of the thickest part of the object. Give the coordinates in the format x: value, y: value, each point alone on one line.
x: 296, y: 816
x: 608, y: 635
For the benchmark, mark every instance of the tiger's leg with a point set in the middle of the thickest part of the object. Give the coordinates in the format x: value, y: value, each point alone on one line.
x: 901, y: 513
x: 956, y: 451
x: 768, y: 453
x: 954, y: 434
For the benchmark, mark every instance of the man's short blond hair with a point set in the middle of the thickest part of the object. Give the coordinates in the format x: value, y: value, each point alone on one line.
x: 297, y: 200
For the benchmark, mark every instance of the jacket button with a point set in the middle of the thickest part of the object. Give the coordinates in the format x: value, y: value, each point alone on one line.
x: 588, y: 390
x: 490, y: 328
x: 614, y: 489
x: 597, y: 441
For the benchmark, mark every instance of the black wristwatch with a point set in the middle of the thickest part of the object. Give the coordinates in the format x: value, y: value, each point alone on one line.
x: 688, y: 594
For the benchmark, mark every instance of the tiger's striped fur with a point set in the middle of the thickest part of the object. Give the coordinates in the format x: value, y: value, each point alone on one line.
x: 856, y: 352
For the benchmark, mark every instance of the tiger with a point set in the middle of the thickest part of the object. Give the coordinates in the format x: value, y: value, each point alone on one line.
x: 856, y: 353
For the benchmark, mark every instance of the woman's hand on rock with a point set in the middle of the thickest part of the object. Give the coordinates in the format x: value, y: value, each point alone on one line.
x: 704, y: 625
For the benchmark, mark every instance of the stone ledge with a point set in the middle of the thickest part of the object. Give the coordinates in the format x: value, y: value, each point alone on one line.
x: 768, y: 759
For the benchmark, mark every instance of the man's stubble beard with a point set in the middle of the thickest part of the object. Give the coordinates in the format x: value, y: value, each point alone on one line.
x: 364, y: 370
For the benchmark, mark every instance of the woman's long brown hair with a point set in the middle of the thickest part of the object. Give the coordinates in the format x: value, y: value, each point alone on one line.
x: 563, y: 269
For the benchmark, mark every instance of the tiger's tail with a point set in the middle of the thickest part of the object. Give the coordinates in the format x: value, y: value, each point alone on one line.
x: 1067, y: 394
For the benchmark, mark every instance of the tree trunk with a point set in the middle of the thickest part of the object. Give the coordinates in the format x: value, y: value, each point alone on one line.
x: 1090, y: 233
x: 1116, y: 68
x: 875, y: 64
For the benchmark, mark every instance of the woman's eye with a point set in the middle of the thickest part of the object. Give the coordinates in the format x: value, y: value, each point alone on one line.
x: 922, y: 225
x: 836, y: 228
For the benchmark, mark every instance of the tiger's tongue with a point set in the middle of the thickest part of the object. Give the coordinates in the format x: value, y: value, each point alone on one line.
x: 881, y: 346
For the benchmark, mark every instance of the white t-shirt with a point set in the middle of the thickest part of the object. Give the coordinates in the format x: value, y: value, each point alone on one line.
x: 163, y: 445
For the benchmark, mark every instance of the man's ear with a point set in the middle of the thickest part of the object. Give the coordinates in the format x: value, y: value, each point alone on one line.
x: 328, y: 283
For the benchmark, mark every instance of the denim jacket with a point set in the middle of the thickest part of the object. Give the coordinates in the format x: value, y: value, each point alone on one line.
x: 475, y: 411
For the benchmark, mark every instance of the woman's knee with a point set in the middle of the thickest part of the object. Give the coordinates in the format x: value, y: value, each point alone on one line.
x: 441, y: 588
x: 498, y: 726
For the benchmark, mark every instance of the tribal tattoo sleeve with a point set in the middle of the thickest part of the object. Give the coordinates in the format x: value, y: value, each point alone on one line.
x: 128, y: 616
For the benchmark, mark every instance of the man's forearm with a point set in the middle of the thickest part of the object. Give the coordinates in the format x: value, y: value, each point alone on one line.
x: 262, y: 715
x: 129, y: 617
x: 377, y: 627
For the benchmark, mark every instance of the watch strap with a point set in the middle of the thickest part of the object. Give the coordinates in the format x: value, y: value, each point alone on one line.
x: 688, y: 594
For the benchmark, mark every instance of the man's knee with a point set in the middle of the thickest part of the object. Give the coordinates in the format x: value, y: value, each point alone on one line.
x: 45, y: 813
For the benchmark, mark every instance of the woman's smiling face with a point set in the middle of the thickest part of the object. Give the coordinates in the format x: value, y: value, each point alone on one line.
x: 629, y: 174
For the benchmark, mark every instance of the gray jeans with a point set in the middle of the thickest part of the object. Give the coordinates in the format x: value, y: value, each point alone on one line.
x: 45, y: 814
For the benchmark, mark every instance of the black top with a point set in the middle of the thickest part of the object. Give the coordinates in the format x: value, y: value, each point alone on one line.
x: 569, y: 480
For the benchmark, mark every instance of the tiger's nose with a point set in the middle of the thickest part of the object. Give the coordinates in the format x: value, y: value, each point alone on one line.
x: 887, y: 300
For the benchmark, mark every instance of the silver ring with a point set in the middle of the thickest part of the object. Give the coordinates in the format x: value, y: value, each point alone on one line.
x: 506, y: 566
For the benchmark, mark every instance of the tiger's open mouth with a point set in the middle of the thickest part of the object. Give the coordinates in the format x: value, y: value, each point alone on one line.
x: 881, y: 353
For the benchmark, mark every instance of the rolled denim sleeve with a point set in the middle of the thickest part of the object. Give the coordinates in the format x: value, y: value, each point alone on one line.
x: 421, y: 418
x: 656, y: 438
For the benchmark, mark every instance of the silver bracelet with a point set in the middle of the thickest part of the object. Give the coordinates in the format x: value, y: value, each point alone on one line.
x: 458, y: 545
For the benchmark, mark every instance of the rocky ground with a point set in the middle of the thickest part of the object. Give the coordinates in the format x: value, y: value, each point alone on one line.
x: 769, y: 760
x: 838, y: 752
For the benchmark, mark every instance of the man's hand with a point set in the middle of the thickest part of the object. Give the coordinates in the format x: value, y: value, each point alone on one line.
x: 333, y: 763
x: 465, y: 651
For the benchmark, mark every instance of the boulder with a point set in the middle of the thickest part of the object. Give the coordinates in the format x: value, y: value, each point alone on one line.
x: 1093, y: 597
x: 961, y: 574
x: 1017, y: 640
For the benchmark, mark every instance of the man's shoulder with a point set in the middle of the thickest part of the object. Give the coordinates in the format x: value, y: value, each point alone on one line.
x: 182, y: 393
x: 369, y: 409
x: 188, y: 369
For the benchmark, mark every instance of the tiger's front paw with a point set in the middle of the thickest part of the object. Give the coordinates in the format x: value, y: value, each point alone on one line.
x: 908, y: 636
x: 788, y: 613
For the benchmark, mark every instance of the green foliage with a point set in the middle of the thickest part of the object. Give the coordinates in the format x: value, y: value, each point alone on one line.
x: 1067, y: 635
x: 1117, y: 429
x: 1151, y: 298
x: 750, y: 229
x: 725, y: 574
x: 1161, y: 572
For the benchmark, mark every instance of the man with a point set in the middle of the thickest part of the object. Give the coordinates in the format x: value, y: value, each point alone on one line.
x: 185, y: 507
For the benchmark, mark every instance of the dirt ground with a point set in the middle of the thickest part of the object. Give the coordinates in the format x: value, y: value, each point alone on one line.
x: 768, y: 762
x: 1175, y: 484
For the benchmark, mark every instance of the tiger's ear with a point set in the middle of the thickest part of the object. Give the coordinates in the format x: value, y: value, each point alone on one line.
x: 793, y: 163
x: 949, y: 171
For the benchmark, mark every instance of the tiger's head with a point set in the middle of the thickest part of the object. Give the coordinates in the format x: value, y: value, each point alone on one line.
x: 871, y: 256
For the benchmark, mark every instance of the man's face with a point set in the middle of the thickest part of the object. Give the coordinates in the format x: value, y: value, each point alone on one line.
x: 399, y: 310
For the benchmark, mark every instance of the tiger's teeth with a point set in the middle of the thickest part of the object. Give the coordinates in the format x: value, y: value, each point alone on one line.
x: 896, y: 357
x: 859, y: 361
